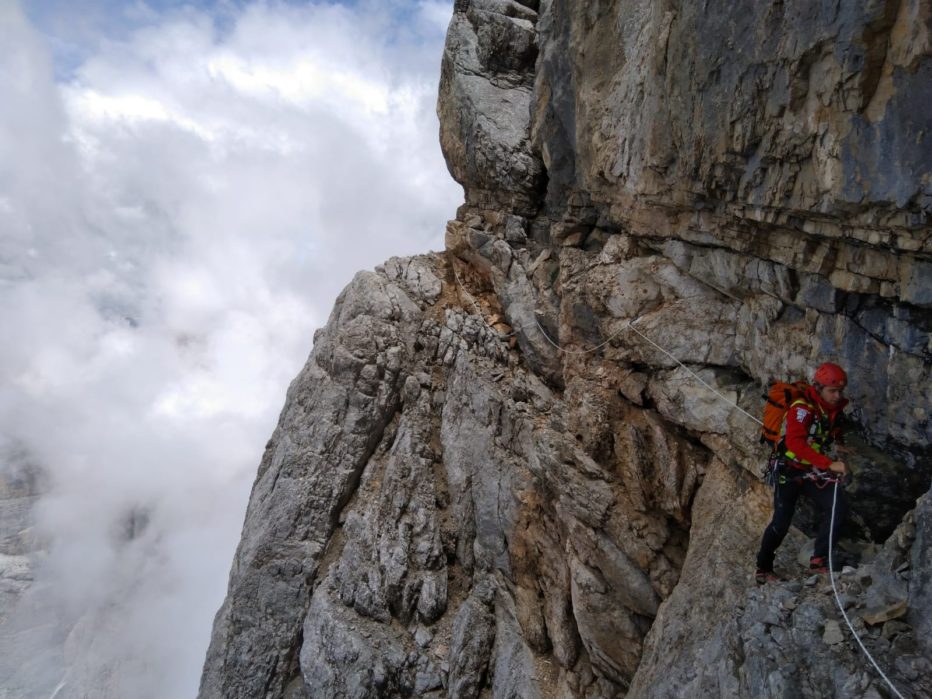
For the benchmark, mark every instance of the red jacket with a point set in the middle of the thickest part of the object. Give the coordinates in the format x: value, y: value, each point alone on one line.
x: 799, y: 423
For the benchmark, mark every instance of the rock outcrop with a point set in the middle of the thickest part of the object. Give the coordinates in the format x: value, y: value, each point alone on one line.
x: 527, y: 467
x: 20, y: 485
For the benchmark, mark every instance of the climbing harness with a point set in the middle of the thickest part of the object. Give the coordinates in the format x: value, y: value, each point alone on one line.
x: 779, y: 472
x: 820, y: 479
x: 772, y: 474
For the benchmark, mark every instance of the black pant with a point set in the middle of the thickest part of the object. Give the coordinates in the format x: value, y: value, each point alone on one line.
x: 785, y: 495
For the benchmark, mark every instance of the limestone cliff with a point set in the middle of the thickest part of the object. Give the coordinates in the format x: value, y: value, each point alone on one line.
x: 489, y: 480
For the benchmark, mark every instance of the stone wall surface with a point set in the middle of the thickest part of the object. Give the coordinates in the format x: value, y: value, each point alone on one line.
x: 528, y: 466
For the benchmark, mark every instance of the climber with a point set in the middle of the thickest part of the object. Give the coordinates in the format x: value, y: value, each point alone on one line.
x: 811, y: 425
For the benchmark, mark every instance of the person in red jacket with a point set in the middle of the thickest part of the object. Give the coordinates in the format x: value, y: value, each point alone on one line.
x: 812, y: 425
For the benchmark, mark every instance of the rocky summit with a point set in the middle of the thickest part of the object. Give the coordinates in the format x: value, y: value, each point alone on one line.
x: 529, y: 466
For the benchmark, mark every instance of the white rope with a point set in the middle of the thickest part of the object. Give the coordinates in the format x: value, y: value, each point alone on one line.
x: 841, y: 607
x: 585, y: 351
x: 693, y: 374
x: 459, y: 283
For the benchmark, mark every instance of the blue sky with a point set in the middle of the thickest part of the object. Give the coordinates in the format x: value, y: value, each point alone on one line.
x: 184, y: 190
x: 75, y: 29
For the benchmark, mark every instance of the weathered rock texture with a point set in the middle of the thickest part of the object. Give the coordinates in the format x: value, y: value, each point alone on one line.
x: 489, y: 480
x: 20, y: 485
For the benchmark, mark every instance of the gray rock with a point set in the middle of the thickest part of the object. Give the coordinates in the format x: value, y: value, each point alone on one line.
x: 920, y: 583
x: 308, y: 473
x: 484, y: 106
x: 831, y: 634
x: 423, y: 636
x: 891, y: 629
x: 514, y: 672
x: 342, y: 658
x: 471, y: 645
x: 415, y: 275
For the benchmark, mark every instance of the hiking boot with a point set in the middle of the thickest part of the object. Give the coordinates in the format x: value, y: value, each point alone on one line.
x: 766, y: 576
x: 819, y: 565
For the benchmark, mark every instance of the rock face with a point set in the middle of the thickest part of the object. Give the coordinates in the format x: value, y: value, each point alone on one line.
x: 527, y: 467
x: 20, y: 485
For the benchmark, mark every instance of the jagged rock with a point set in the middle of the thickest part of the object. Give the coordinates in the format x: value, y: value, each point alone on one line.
x: 879, y: 613
x: 486, y: 102
x: 20, y: 484
x: 16, y: 576
x: 920, y: 580
x: 340, y: 659
x: 515, y: 673
x: 473, y: 633
x: 892, y: 629
x: 415, y: 276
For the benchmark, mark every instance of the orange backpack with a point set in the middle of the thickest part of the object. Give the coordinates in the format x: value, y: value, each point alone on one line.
x: 778, y: 400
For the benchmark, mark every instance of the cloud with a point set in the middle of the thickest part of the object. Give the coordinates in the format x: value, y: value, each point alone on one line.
x: 179, y: 207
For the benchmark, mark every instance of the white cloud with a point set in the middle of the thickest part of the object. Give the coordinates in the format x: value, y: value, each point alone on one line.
x: 435, y: 14
x: 176, y: 218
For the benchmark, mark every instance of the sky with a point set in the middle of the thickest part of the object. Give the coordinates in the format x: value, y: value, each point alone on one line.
x: 185, y: 187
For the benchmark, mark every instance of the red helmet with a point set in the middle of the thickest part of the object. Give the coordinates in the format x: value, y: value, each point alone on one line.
x: 831, y: 376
